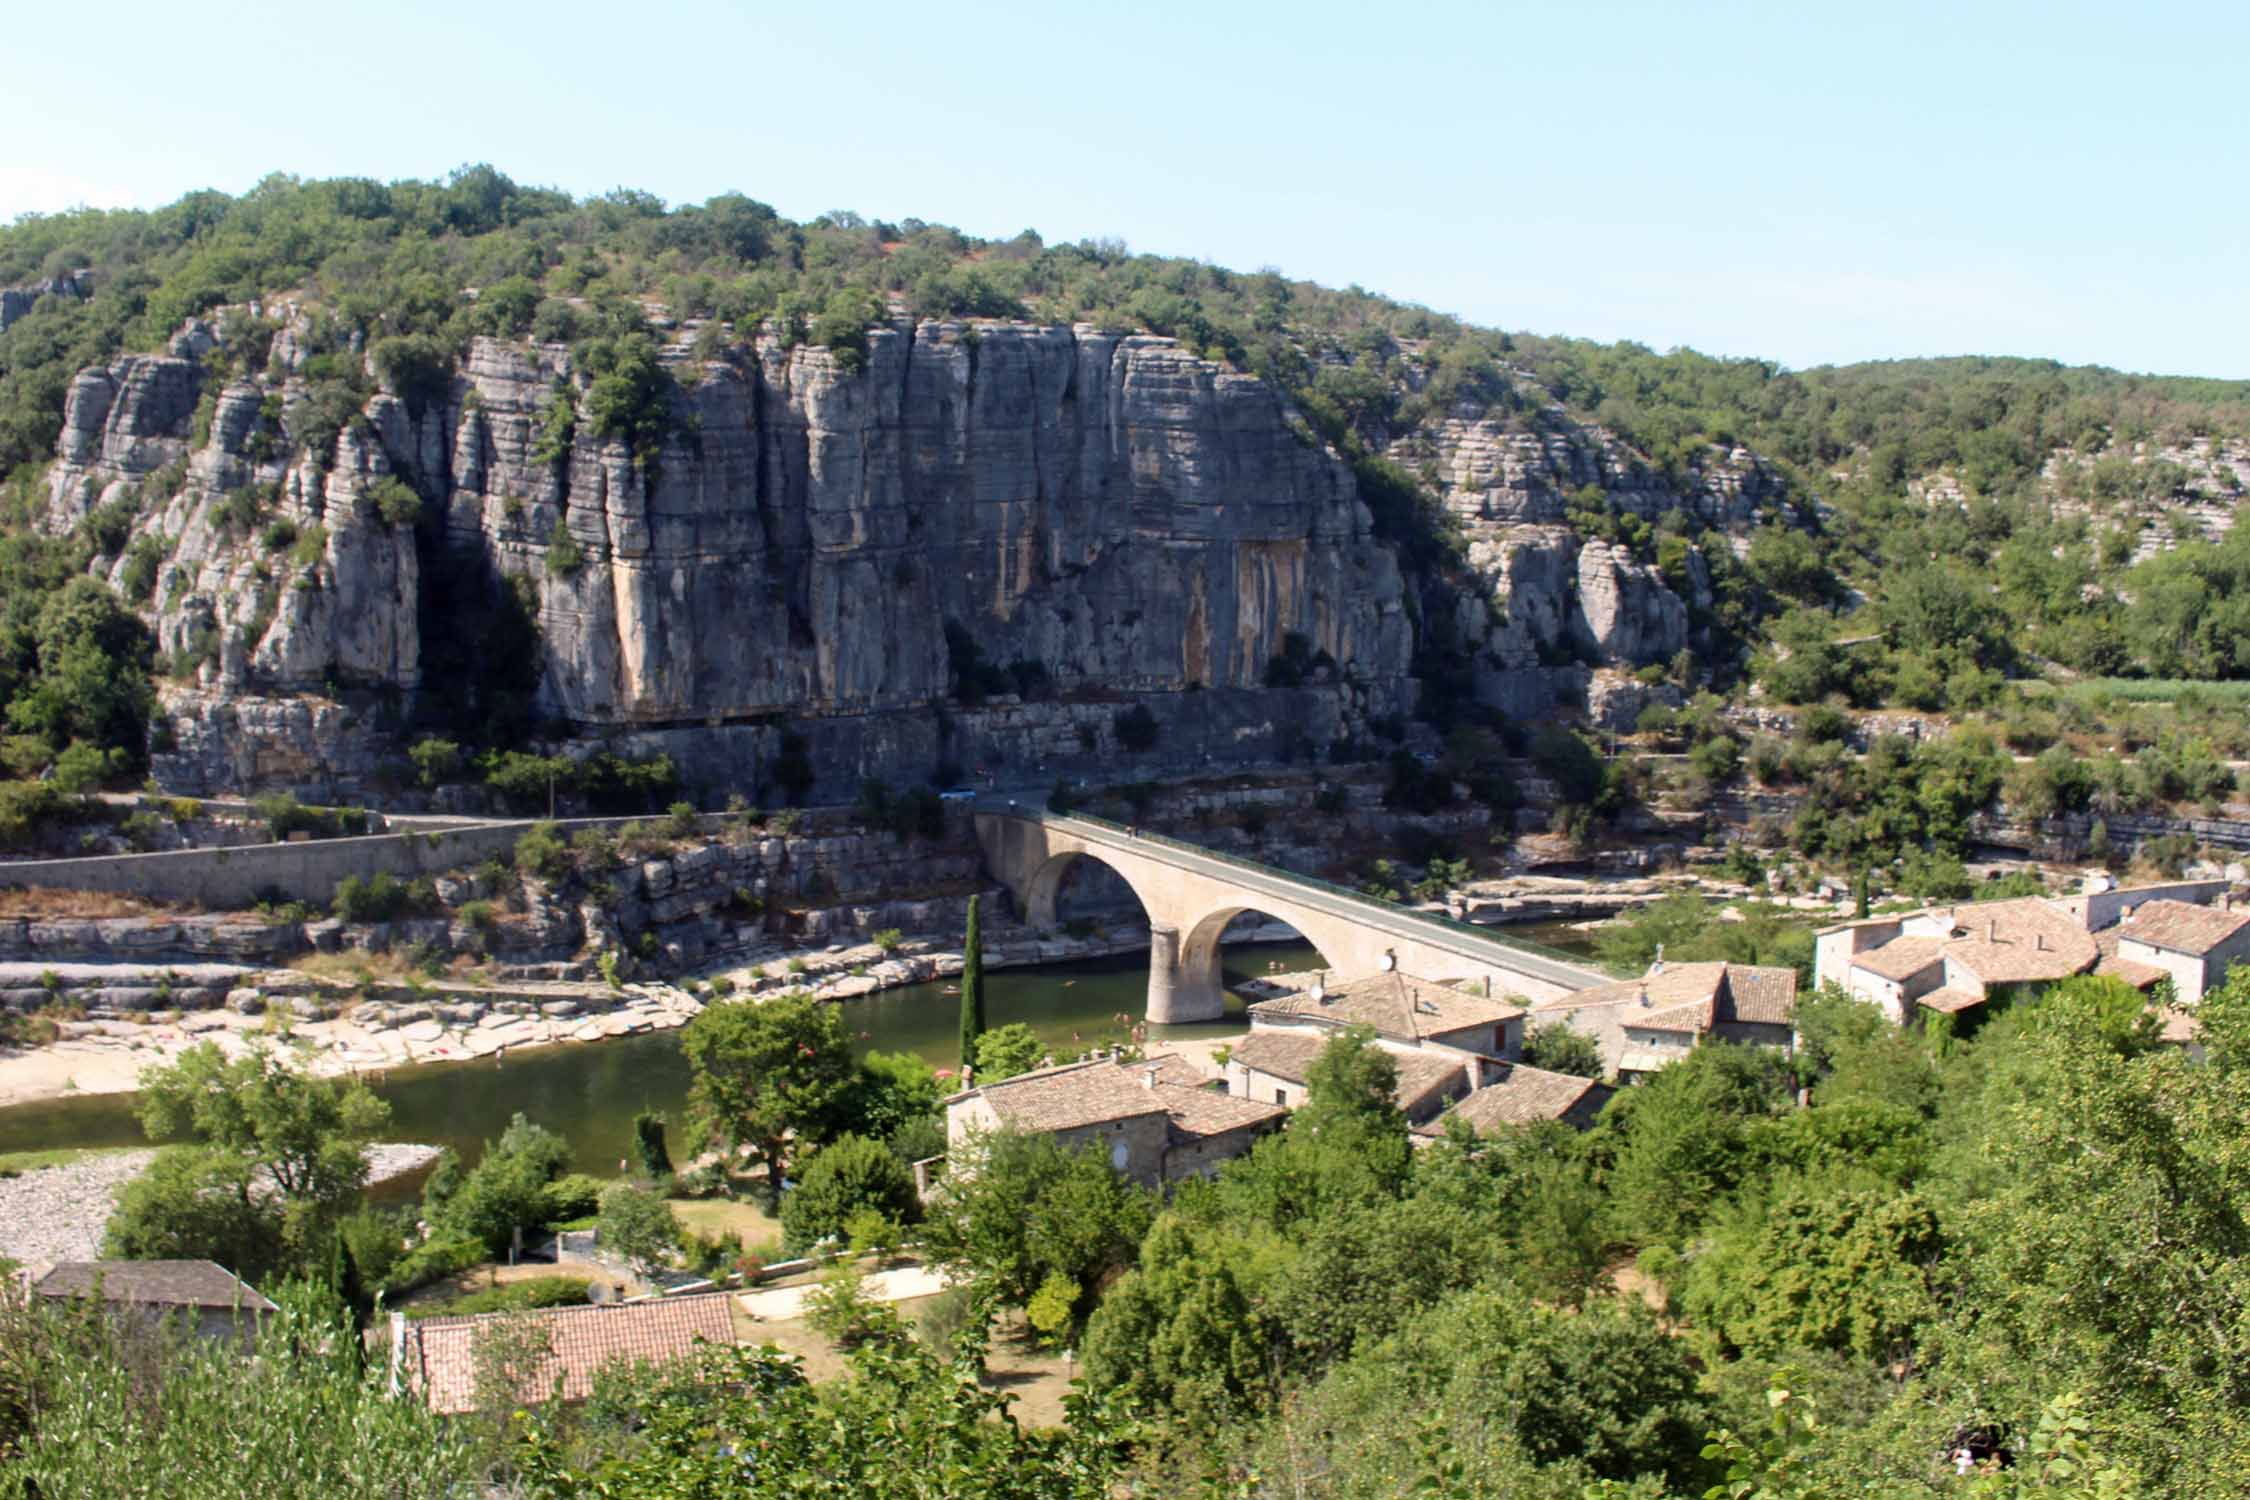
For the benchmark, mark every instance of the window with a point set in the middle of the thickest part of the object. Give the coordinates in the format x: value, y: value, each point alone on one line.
x: 1119, y: 1154
x: 1280, y: 1095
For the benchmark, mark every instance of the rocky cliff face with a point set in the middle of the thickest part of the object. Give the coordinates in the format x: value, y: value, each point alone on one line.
x: 1127, y: 517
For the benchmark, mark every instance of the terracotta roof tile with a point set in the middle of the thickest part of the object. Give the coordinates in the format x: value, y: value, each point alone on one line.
x: 1900, y: 958
x: 2182, y: 926
x: 1070, y: 1096
x: 1101, y: 1091
x: 2019, y: 941
x: 1950, y: 1001
x: 1395, y: 1005
x: 1289, y: 1055
x: 1520, y: 1096
x: 154, y: 1283
x: 2139, y: 975
x: 438, y: 1356
x: 1694, y: 997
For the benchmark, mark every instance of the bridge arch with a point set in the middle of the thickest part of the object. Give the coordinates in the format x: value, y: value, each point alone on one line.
x: 1191, y: 894
x: 1042, y: 891
x: 1202, y: 972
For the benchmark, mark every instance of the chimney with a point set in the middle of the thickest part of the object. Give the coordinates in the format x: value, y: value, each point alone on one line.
x: 1488, y: 986
x: 1643, y: 997
x: 2039, y: 940
x: 1148, y: 1076
x: 1476, y: 1072
x: 1992, y: 929
x: 2226, y: 901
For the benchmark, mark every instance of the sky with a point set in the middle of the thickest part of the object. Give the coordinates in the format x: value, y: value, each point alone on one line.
x: 1805, y: 183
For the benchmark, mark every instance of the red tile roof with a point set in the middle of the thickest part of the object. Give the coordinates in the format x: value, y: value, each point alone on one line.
x: 1694, y: 997
x: 437, y: 1357
x: 1409, y: 1010
x: 1289, y: 1055
x: 1520, y: 1096
x: 2182, y: 926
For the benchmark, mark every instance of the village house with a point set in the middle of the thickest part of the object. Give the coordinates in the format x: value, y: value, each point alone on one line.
x: 1951, y: 959
x: 1402, y: 1012
x: 2191, y: 945
x: 1157, y: 1121
x: 1643, y: 1024
x: 1277, y: 1064
x: 202, y: 1295
x: 1517, y: 1094
x: 436, y: 1358
x: 1450, y: 1046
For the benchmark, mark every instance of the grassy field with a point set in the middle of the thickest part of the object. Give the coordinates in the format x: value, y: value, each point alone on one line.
x: 748, y: 1224
x: 2154, y: 690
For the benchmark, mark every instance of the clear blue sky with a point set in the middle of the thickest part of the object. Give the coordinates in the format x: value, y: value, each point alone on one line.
x: 1801, y: 182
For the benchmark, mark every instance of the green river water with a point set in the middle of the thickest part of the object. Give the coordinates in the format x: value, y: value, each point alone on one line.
x: 590, y: 1091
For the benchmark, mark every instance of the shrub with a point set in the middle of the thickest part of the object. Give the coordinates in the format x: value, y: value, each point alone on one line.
x: 845, y: 1177
x: 564, y: 556
x: 540, y: 852
x: 888, y: 939
x: 841, y: 1311
x: 435, y: 761
x: 381, y: 897
x: 649, y: 1145
x: 396, y: 502
x: 637, y: 1224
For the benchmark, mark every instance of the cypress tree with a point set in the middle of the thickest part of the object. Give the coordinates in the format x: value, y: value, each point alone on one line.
x: 972, y: 989
x: 648, y: 1140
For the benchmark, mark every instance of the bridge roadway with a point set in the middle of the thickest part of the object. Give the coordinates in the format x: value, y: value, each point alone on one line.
x: 1191, y: 894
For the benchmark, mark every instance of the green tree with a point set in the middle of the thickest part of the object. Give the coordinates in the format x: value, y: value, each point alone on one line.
x: 648, y: 1143
x: 261, y: 1115
x: 637, y: 1224
x: 1563, y: 1049
x: 849, y: 1174
x: 769, y: 1073
x: 505, y: 1191
x: 1005, y: 1051
x: 1013, y: 1209
x: 196, y: 1204
x: 972, y: 989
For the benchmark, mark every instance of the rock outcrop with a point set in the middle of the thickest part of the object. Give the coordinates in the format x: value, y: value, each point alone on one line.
x: 1107, y: 516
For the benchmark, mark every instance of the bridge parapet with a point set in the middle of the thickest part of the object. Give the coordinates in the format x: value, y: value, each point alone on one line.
x: 1191, y: 894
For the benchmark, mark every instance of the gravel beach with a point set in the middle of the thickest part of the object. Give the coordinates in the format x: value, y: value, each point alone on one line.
x: 57, y: 1213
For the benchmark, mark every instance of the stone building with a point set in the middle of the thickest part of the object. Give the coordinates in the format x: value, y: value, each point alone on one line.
x: 1643, y: 1024
x: 1157, y: 1121
x: 1952, y: 959
x: 202, y: 1294
x: 2191, y: 945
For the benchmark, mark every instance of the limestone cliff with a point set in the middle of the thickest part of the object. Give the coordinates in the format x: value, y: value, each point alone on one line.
x: 1129, y: 518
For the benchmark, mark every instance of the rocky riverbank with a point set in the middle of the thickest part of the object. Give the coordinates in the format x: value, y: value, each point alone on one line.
x: 343, y: 1026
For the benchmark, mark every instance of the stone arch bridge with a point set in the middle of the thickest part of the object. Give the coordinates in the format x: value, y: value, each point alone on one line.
x: 1191, y: 894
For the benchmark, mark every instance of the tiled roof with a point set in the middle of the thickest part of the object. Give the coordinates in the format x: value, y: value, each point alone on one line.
x: 1284, y: 1054
x: 1396, y: 1006
x: 1101, y: 1091
x: 1290, y: 1055
x: 155, y: 1283
x: 2019, y: 941
x: 2182, y: 926
x: 1694, y: 997
x: 1519, y: 1096
x: 438, y: 1356
x: 2139, y: 975
x: 1950, y: 1001
x: 1900, y: 958
x: 1070, y: 1096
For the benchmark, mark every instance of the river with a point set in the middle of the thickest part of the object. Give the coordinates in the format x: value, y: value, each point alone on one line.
x: 590, y: 1091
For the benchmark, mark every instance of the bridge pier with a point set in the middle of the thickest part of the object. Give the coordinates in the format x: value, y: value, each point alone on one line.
x: 1176, y: 994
